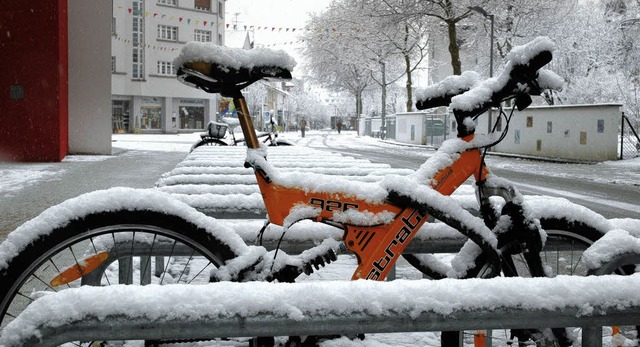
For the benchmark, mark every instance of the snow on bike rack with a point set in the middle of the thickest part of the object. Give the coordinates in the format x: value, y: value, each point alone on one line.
x: 228, y: 309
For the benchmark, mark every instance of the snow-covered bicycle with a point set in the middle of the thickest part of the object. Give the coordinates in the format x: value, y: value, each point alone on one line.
x: 217, y: 132
x: 105, y: 237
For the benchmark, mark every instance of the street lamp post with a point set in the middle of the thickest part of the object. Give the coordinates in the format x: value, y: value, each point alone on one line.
x: 482, y: 11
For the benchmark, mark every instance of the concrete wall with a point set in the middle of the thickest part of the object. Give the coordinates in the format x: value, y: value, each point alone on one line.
x: 89, y: 77
x: 409, y: 127
x: 578, y: 132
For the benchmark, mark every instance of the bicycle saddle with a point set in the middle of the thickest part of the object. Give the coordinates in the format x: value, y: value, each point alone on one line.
x: 225, y: 70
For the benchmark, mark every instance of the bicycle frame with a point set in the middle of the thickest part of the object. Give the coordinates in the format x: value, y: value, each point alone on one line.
x: 377, y: 247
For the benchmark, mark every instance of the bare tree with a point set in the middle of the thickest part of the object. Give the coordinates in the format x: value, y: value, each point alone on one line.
x: 331, y: 57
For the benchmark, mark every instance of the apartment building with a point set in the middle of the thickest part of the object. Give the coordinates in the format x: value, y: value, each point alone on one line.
x: 146, y: 37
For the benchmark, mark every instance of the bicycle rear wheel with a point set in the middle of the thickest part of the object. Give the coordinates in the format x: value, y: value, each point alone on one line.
x: 105, y: 248
x: 207, y: 141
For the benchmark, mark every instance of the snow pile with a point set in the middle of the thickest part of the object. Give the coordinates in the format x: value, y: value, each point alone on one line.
x: 233, y: 58
x: 450, y: 86
x: 113, y: 199
x: 613, y: 244
x: 522, y: 55
x: 311, y: 182
x: 333, y: 299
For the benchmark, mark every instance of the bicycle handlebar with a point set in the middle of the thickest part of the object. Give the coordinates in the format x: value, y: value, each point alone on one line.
x: 518, y: 81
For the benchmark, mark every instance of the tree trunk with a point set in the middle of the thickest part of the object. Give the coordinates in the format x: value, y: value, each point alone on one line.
x: 358, y: 109
x: 407, y: 62
x: 454, y: 50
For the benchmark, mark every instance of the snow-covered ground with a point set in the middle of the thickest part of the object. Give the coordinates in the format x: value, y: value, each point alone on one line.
x: 15, y: 177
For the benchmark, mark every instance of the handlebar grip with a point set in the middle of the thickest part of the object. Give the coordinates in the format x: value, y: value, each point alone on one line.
x: 443, y: 100
x: 440, y: 94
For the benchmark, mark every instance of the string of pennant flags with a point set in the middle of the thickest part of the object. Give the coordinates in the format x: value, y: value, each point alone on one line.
x: 227, y: 26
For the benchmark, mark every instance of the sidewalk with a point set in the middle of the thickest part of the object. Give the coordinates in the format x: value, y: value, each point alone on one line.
x: 27, y: 189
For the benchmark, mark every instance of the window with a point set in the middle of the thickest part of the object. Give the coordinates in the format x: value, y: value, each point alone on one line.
x: 202, y: 35
x: 151, y: 117
x: 113, y: 64
x: 204, y: 5
x: 538, y: 145
x: 167, y: 32
x: 600, y: 126
x: 516, y: 137
x: 137, y: 41
x: 168, y: 2
x: 499, y: 124
x: 529, y: 122
x: 113, y: 25
x: 220, y: 40
x: 549, y: 127
x: 166, y: 68
x: 220, y: 9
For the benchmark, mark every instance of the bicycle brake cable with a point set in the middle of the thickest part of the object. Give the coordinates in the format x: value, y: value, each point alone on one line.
x: 275, y: 254
x: 486, y: 147
x: 261, y: 232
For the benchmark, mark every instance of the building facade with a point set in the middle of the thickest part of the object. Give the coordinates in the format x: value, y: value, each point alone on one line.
x: 146, y: 37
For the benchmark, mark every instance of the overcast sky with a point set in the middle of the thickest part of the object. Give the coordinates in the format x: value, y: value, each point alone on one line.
x: 269, y: 14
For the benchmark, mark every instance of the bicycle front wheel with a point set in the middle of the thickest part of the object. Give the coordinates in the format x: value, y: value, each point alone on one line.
x: 105, y: 248
x: 562, y: 255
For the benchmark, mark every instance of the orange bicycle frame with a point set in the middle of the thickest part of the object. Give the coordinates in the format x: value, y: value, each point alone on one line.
x: 377, y: 247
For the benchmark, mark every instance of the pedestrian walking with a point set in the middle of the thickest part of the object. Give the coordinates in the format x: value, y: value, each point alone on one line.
x: 303, y: 125
x: 339, y: 124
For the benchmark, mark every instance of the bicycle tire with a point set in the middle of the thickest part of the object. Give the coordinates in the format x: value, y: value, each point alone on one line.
x: 31, y: 269
x: 562, y: 255
x: 209, y: 142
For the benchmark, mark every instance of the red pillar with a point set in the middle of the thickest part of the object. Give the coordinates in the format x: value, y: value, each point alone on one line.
x: 34, y: 81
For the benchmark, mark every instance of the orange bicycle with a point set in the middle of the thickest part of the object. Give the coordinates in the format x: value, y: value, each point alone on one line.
x: 91, y: 239
x: 380, y: 220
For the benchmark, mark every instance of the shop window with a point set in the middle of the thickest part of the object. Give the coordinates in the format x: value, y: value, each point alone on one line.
x: 151, y: 117
x: 529, y: 122
x: 600, y: 126
x: 120, y: 110
x: 191, y: 117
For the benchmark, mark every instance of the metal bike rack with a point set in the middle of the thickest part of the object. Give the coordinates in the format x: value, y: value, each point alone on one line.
x: 416, y: 314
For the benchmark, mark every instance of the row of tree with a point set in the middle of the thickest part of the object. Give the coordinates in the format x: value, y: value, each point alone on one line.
x: 369, y: 46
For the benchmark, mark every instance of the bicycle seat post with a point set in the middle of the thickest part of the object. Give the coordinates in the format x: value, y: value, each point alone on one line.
x: 244, y: 117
